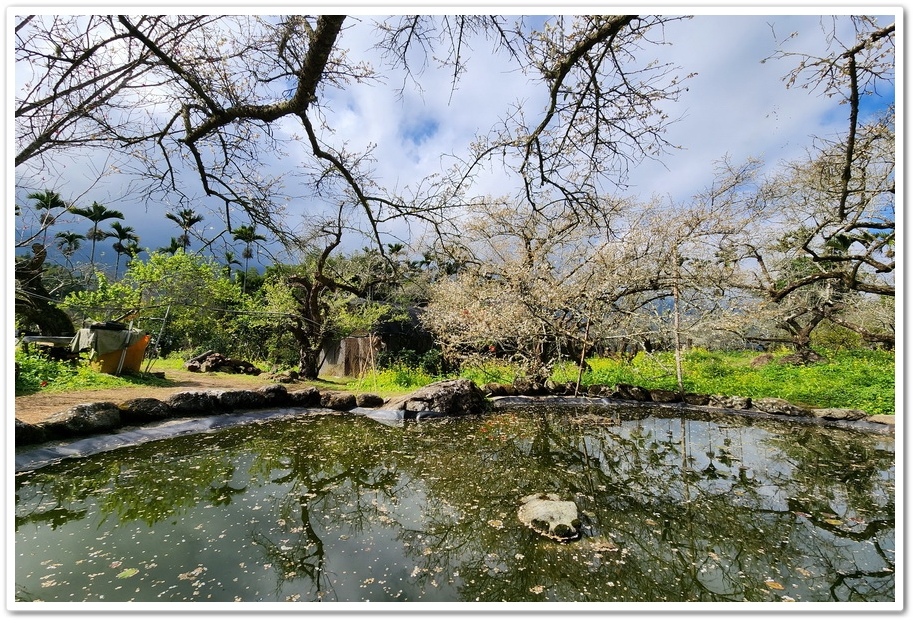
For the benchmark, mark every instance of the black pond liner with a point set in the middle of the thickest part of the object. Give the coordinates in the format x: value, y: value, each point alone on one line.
x: 40, y: 455
x: 30, y: 458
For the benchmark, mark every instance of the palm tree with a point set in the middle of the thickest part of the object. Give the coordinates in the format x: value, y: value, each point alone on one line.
x: 96, y: 213
x: 172, y: 248
x: 132, y: 250
x: 230, y: 262
x: 68, y: 242
x: 247, y: 234
x: 46, y: 201
x: 186, y: 219
x: 124, y: 235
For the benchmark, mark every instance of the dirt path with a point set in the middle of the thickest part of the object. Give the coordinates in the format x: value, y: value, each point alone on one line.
x: 36, y: 408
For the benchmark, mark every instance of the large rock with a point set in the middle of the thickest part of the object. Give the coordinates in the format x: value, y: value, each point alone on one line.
x: 308, y: 397
x: 27, y: 434
x: 632, y: 392
x: 495, y: 389
x: 217, y: 362
x: 778, y: 406
x: 664, y: 395
x: 276, y: 395
x: 560, y: 389
x: 452, y: 397
x: 550, y: 516
x: 83, y: 419
x: 698, y: 400
x: 369, y: 401
x: 338, y: 401
x: 839, y: 414
x: 527, y: 387
x: 194, y: 403
x: 143, y: 410
x: 240, y: 399
x: 598, y: 390
x: 730, y: 402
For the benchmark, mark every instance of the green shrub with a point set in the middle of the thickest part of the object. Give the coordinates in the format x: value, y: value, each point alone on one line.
x: 430, y: 362
x: 394, y: 379
x: 35, y: 372
x: 38, y: 373
x: 483, y: 370
x: 834, y: 337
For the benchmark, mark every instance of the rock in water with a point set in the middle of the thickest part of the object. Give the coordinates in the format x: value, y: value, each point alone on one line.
x: 452, y: 397
x: 548, y: 515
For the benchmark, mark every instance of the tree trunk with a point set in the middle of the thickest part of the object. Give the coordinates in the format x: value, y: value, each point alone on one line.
x: 800, y: 332
x: 678, y: 363
x: 33, y: 302
x: 588, y: 326
x: 309, y: 363
x: 309, y: 350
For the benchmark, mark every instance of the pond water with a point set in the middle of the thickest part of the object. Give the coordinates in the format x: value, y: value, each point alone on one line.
x: 676, y: 507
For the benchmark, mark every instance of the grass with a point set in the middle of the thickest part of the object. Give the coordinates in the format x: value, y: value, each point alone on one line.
x: 858, y: 379
x: 38, y: 374
x: 855, y: 379
x: 391, y: 381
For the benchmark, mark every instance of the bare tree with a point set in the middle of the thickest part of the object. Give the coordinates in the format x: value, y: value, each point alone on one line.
x: 310, y: 294
x: 695, y: 274
x: 602, y: 108
x: 229, y: 97
x: 538, y: 286
x: 211, y: 91
x: 71, y: 89
x: 544, y: 285
x: 811, y: 263
x: 824, y: 242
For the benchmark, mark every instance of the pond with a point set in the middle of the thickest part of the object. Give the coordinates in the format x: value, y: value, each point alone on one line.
x: 676, y: 507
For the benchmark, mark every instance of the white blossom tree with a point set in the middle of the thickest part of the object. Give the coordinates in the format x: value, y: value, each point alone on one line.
x: 829, y: 241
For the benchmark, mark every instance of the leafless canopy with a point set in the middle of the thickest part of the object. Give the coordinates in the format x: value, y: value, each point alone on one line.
x: 230, y: 97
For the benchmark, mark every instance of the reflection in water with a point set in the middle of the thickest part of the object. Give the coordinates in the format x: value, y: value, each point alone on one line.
x: 335, y: 508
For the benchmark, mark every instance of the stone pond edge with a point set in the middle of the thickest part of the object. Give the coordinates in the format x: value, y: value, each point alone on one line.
x: 449, y: 398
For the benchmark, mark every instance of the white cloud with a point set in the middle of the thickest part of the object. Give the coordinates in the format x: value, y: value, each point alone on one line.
x: 736, y: 105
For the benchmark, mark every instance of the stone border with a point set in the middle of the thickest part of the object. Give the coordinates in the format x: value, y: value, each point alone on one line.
x: 103, y: 417
x: 625, y: 393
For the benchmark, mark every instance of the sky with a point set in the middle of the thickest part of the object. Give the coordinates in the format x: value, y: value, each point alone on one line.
x: 736, y: 106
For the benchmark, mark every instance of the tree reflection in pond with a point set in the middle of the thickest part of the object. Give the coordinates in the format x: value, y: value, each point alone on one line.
x: 338, y: 508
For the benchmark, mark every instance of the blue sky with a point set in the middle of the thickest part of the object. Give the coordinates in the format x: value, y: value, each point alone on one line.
x: 735, y: 106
